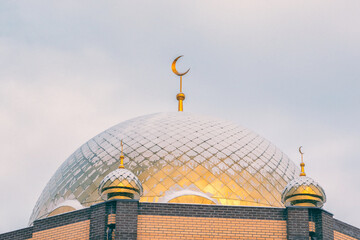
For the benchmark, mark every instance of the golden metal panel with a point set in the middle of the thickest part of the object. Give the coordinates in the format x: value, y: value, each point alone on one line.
x: 215, y: 159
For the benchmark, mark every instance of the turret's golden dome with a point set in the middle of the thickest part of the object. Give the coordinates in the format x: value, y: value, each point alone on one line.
x: 303, y: 191
x: 120, y: 184
x: 179, y: 158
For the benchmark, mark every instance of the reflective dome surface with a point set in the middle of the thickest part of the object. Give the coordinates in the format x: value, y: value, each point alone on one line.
x: 303, y: 191
x: 121, y: 180
x: 178, y: 157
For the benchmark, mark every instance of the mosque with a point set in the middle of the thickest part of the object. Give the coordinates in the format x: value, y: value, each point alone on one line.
x: 180, y: 175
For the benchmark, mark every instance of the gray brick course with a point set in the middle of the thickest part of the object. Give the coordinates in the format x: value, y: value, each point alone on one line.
x: 127, y: 212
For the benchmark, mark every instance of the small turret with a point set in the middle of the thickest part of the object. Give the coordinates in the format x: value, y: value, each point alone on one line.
x: 121, y: 183
x: 303, y: 191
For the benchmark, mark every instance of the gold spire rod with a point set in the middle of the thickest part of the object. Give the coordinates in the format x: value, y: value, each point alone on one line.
x: 180, y: 83
x: 122, y: 156
x: 180, y: 96
x: 302, y: 164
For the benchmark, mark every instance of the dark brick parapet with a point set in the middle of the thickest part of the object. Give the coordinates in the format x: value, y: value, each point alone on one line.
x: 98, y: 221
x: 199, y: 210
x: 297, y: 223
x: 127, y: 212
x: 62, y: 219
x: 126, y: 219
x: 24, y: 233
x: 346, y: 229
x: 324, y: 223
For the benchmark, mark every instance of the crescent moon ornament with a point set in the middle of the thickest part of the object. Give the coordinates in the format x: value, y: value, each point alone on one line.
x: 302, y: 164
x: 300, y: 150
x: 173, y: 67
x: 181, y: 96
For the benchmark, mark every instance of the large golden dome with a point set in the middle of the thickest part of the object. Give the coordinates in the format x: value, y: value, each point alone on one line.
x: 179, y: 158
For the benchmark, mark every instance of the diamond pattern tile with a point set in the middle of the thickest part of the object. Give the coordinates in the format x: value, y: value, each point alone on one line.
x: 303, y: 184
x: 177, y: 157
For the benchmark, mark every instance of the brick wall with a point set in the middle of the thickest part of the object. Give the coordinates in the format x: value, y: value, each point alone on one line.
x: 341, y: 236
x: 327, y: 225
x: 129, y: 219
x: 111, y: 219
x: 311, y: 226
x: 198, y: 210
x: 342, y: 229
x: 25, y: 233
x: 63, y: 219
x: 297, y: 223
x: 194, y: 221
x: 74, y: 231
x: 177, y: 227
x: 126, y: 219
x: 324, y: 223
x: 98, y: 221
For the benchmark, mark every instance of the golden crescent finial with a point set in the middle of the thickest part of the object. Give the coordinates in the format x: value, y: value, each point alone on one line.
x: 302, y: 164
x: 181, y: 96
x: 300, y: 150
x: 173, y: 67
x: 122, y: 156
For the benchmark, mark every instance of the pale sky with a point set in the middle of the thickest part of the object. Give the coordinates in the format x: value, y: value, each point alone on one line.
x: 288, y: 70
